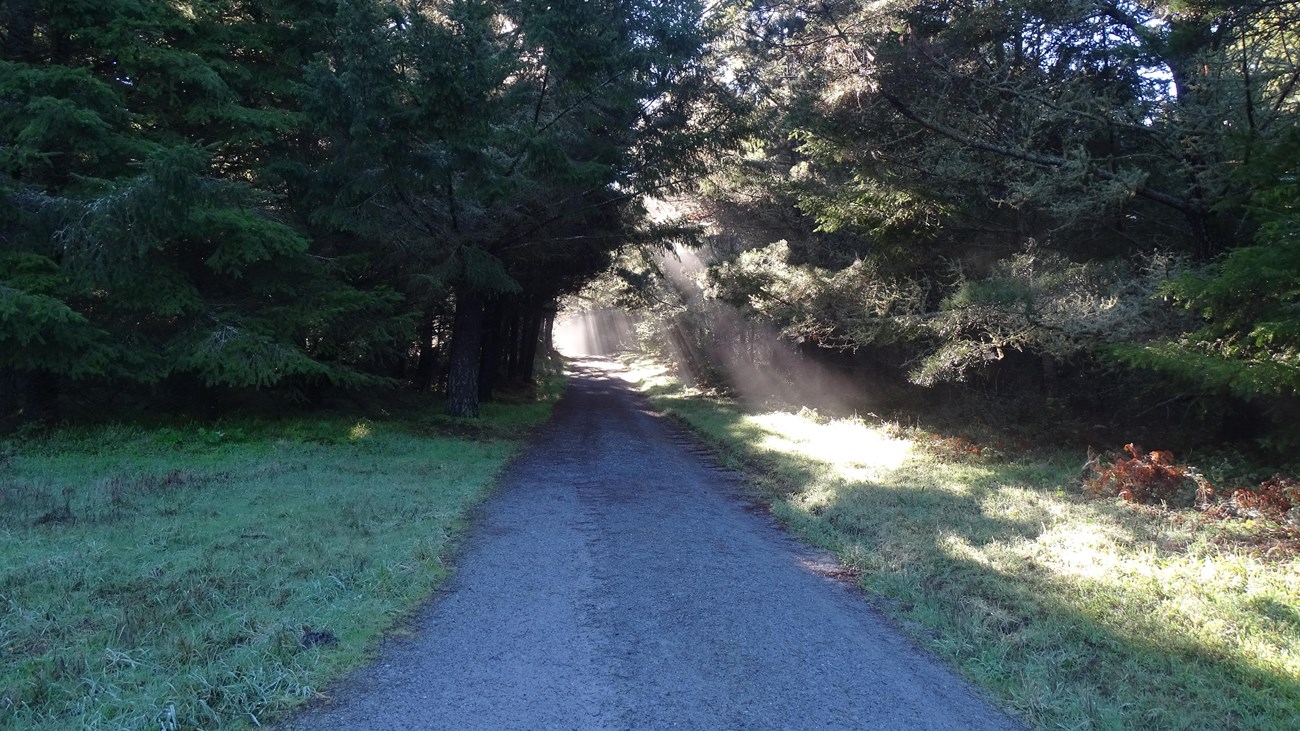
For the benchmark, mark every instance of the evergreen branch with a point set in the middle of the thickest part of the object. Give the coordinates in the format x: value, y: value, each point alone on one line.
x: 1037, y: 158
x: 560, y: 115
x: 1187, y: 207
x: 621, y: 198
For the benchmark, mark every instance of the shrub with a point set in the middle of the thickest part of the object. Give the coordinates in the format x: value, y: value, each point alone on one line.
x: 1152, y: 478
x: 1149, y: 478
x: 1277, y: 498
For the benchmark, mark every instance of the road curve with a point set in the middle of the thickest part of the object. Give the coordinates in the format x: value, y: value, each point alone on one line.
x: 616, y: 581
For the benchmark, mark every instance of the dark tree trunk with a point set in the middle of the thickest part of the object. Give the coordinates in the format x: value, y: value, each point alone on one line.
x: 11, y: 389
x: 532, y: 334
x: 442, y: 332
x: 315, y: 389
x: 490, y: 357
x: 22, y: 28
x: 514, y: 353
x: 1195, y: 35
x: 548, y: 332
x: 426, y: 368
x: 1050, y: 377
x: 1241, y: 420
x: 692, y: 363
x: 42, y: 401
x: 466, y: 339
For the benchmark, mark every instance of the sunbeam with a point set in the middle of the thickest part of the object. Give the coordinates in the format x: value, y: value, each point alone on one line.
x: 751, y: 357
x: 595, y: 332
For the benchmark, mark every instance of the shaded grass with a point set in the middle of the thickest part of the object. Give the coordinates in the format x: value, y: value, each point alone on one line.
x: 1079, y: 613
x: 167, y: 577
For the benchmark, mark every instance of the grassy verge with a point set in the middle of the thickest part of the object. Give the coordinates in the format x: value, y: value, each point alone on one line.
x: 1080, y: 613
x: 202, y: 577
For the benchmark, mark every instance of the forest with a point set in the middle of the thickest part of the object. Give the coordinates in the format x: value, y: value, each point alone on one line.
x: 288, y: 290
x: 209, y: 200
x: 1083, y: 209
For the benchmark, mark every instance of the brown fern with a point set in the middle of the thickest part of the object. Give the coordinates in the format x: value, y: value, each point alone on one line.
x: 1274, y: 498
x: 1147, y: 478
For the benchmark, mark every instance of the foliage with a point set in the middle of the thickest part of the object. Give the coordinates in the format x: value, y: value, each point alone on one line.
x: 1037, y: 301
x: 494, y: 154
x: 1153, y: 478
x: 142, y: 243
x: 1034, y: 301
x: 1248, y: 302
x: 848, y: 306
x: 1149, y: 478
x: 1277, y: 498
x: 291, y: 195
x: 1069, y: 117
x: 1020, y: 193
x: 41, y: 331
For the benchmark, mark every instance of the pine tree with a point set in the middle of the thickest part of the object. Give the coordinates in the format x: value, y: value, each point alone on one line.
x: 146, y: 238
x: 470, y: 144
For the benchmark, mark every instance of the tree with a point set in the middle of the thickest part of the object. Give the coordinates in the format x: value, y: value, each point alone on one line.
x: 1248, y: 304
x: 491, y: 153
x: 998, y: 190
x: 144, y: 241
x: 957, y: 134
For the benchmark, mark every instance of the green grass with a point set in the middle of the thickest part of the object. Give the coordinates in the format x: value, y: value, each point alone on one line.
x: 164, y: 577
x: 1078, y: 612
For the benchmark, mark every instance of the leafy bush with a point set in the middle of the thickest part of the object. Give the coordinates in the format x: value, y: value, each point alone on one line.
x: 1248, y: 341
x: 1038, y: 301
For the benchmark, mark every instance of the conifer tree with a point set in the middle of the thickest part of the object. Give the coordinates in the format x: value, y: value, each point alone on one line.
x: 468, y: 140
x: 285, y: 193
x: 145, y: 238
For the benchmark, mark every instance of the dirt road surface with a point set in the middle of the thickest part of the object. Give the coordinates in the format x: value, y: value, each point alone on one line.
x: 618, y: 581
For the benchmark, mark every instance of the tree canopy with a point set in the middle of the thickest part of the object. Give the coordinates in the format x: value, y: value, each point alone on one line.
x: 218, y: 196
x: 296, y: 194
x: 1086, y: 191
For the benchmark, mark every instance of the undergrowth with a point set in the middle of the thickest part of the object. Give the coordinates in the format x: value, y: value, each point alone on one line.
x: 1155, y: 478
x: 1148, y: 478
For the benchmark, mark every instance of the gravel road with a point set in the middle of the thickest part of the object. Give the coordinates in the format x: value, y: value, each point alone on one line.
x: 618, y: 581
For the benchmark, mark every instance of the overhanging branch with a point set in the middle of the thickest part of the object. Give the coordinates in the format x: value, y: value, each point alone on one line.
x: 1037, y: 158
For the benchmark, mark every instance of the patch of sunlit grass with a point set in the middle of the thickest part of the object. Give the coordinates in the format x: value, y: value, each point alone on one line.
x: 653, y: 377
x: 646, y: 373
x: 1080, y: 613
x: 359, y: 431
x: 850, y: 448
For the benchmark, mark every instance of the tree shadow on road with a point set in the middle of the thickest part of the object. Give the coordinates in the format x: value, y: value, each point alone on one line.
x: 1079, y: 613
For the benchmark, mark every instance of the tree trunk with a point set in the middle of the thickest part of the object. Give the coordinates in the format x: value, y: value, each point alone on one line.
x: 548, y: 332
x: 1050, y: 378
x: 532, y: 335
x: 10, y: 397
x: 424, y: 371
x: 1196, y: 121
x: 42, y: 402
x: 490, y: 352
x: 514, y: 354
x: 466, y: 339
x: 22, y: 28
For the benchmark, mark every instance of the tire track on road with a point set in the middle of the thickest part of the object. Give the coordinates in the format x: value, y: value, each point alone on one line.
x: 619, y: 580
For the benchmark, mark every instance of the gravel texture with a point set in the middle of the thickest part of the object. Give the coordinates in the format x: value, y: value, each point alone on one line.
x: 619, y: 581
